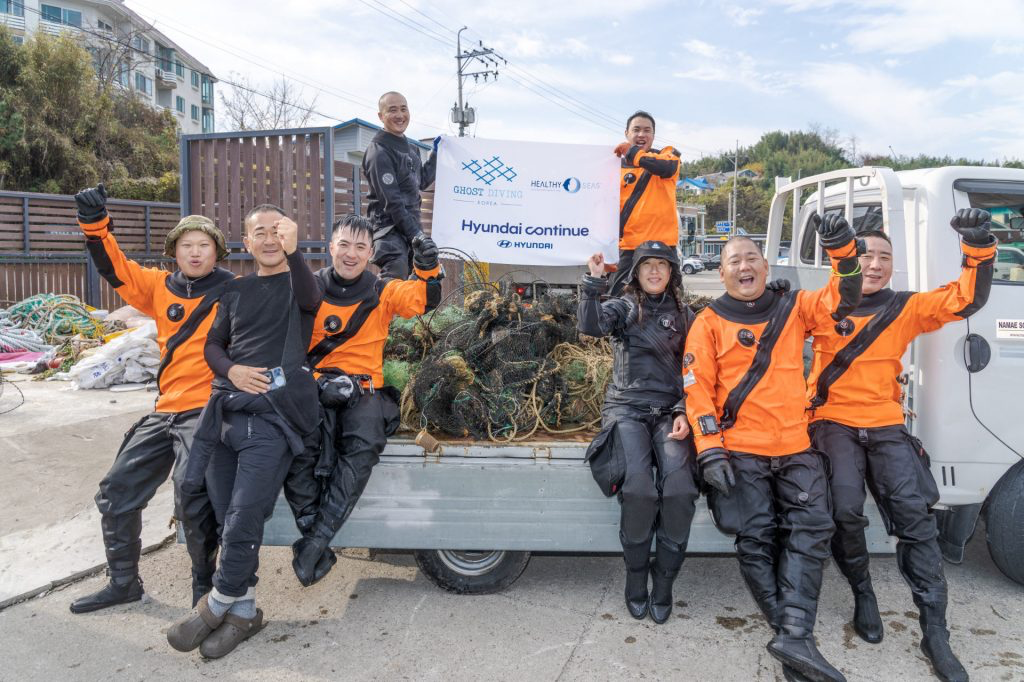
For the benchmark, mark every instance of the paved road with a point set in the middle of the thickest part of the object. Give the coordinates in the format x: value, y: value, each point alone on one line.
x: 705, y: 283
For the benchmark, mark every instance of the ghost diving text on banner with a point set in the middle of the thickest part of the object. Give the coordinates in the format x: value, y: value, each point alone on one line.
x: 526, y: 203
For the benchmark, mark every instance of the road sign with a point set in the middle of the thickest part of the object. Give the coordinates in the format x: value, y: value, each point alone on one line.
x: 723, y: 226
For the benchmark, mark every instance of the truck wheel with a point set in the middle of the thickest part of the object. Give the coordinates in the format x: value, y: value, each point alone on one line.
x: 688, y: 269
x: 1003, y: 522
x: 472, y: 572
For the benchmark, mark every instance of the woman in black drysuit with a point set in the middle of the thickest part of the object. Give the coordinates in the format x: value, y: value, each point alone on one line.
x: 643, y: 420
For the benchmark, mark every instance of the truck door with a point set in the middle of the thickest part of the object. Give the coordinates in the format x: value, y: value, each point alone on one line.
x: 998, y: 328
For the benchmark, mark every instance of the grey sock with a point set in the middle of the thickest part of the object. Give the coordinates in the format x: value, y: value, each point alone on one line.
x: 218, y: 608
x: 244, y: 608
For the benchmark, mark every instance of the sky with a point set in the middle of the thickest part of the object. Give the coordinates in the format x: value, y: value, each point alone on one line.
x: 938, y: 77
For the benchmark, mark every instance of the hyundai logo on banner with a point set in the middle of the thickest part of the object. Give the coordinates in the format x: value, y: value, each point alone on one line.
x: 504, y: 243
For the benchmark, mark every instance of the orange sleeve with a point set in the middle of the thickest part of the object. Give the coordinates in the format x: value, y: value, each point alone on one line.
x: 134, y: 283
x: 961, y: 297
x: 404, y: 297
x: 700, y: 395
x: 816, y: 307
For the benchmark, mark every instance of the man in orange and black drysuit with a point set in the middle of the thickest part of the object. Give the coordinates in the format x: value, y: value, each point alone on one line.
x: 346, y: 354
x: 857, y: 419
x: 182, y: 303
x: 647, y: 195
x: 744, y: 404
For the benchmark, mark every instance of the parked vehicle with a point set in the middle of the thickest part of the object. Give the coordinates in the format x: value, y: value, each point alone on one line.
x: 963, y: 381
x: 691, y: 264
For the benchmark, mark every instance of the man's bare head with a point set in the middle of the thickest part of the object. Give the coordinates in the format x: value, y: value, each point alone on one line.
x: 744, y: 270
x: 393, y: 112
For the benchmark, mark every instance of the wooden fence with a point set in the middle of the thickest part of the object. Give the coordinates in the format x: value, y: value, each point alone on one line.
x: 224, y: 175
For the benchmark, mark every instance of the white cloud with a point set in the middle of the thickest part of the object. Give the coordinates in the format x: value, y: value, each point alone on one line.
x: 619, y: 59
x: 742, y: 16
x: 699, y: 47
x: 713, y: 64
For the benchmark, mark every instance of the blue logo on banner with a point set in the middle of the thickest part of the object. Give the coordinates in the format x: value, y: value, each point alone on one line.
x: 489, y: 170
x: 571, y: 185
x: 504, y: 243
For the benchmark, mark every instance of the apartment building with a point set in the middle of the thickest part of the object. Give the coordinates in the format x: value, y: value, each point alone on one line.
x: 142, y: 58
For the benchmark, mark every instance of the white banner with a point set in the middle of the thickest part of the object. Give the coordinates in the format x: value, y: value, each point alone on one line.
x: 527, y: 203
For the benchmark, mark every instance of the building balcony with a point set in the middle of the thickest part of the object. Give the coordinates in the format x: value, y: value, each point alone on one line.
x: 54, y: 29
x: 165, y: 80
x: 11, y: 21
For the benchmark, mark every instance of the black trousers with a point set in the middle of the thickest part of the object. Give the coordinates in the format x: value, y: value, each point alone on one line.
x: 152, y: 448
x: 618, y: 280
x: 890, y: 462
x: 779, y: 511
x: 322, y: 506
x: 244, y: 478
x: 392, y: 254
x: 660, y: 490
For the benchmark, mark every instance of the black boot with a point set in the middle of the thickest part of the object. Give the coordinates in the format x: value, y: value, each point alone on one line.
x: 867, y: 623
x: 201, y: 585
x: 794, y: 647
x: 124, y: 586
x: 312, y: 559
x: 638, y: 566
x: 935, y: 644
x: 667, y: 561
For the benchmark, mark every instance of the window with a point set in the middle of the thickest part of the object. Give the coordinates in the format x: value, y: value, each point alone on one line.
x: 143, y: 84
x: 141, y: 44
x: 207, y: 120
x: 179, y: 70
x: 59, y: 15
x: 865, y: 217
x: 104, y: 26
x: 179, y: 104
x: 18, y: 40
x: 207, y: 90
x: 195, y: 112
x: 165, y: 55
x: 195, y: 80
x: 1004, y: 199
x: 15, y: 7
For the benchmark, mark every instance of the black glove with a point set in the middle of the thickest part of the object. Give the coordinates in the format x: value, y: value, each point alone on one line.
x: 716, y: 470
x: 424, y: 252
x: 833, y: 230
x: 973, y: 225
x: 779, y: 285
x: 92, y: 204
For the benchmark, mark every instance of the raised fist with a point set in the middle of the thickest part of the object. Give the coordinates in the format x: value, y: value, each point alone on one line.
x: 424, y: 252
x: 974, y: 226
x: 833, y: 230
x: 92, y: 204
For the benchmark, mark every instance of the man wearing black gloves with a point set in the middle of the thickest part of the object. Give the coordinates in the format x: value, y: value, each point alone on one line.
x: 182, y: 304
x: 746, y: 409
x: 260, y: 414
x: 347, y: 354
x: 858, y: 419
x: 396, y: 178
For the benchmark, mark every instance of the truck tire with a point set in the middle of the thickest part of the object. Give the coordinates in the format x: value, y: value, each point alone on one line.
x: 1004, y: 521
x: 472, y: 572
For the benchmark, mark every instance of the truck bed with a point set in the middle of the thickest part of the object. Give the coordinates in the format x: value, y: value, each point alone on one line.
x: 535, y: 496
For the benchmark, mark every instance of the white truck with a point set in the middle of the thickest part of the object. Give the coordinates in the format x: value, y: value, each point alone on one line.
x: 964, y: 380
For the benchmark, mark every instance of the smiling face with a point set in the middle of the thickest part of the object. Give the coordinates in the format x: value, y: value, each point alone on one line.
x: 196, y: 253
x: 262, y: 242
x: 350, y: 250
x: 640, y: 132
x: 654, y: 275
x: 393, y: 112
x: 744, y: 270
x: 876, y: 264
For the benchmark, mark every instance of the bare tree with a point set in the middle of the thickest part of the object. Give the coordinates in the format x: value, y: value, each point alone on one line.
x: 280, y: 106
x: 116, y: 56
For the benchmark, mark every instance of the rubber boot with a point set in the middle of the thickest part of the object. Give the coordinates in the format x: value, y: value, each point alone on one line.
x: 794, y: 647
x: 638, y: 566
x: 667, y: 561
x: 124, y: 586
x: 312, y: 559
x: 867, y: 622
x: 935, y: 644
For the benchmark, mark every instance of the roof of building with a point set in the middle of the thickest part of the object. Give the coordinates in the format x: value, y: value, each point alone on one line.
x: 367, y: 124
x: 696, y: 182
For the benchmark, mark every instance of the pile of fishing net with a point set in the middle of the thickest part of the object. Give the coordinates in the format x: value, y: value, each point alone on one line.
x: 498, y: 368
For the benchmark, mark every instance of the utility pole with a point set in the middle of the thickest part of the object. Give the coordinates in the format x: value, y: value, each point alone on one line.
x: 464, y: 115
x: 735, y: 179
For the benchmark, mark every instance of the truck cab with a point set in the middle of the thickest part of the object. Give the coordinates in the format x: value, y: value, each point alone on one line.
x: 963, y: 379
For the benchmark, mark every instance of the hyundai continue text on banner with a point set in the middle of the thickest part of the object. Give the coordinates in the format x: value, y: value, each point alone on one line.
x: 526, y: 202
